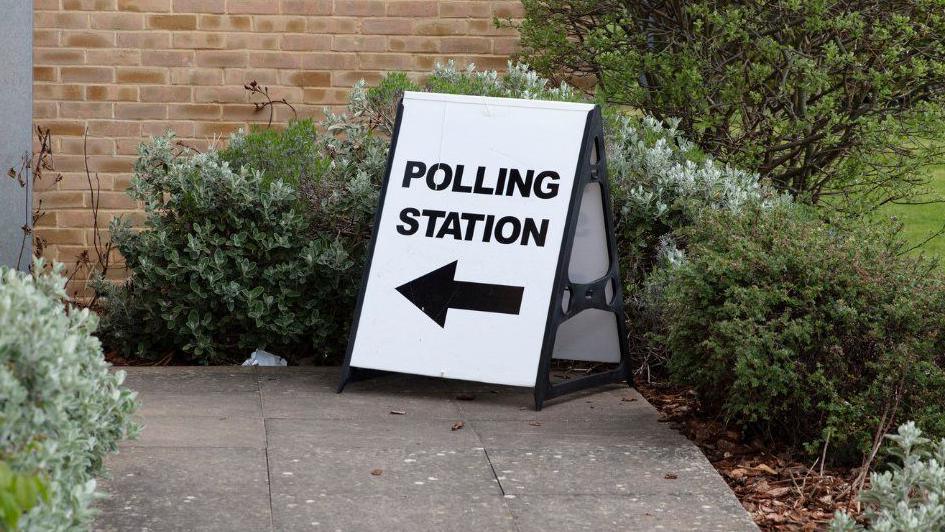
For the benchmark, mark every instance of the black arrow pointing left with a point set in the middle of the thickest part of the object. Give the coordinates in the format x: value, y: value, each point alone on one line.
x: 436, y: 292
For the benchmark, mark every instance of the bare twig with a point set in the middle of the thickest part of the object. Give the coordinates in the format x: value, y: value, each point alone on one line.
x: 255, y: 88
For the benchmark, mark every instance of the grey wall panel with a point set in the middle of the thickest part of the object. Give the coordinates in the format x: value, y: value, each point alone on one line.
x: 16, y: 119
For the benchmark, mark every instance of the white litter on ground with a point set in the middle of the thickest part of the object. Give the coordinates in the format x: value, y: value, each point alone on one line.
x: 264, y: 358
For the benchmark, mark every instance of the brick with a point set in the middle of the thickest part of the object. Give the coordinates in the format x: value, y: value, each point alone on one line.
x: 111, y: 93
x: 508, y: 10
x: 44, y: 73
x: 56, y: 56
x: 360, y: 8
x: 85, y: 109
x: 466, y: 45
x: 55, y: 235
x: 63, y: 128
x: 331, y: 25
x: 219, y: 94
x: 164, y: 93
x: 413, y: 44
x: 58, y: 92
x: 45, y: 38
x: 348, y: 79
x: 359, y: 43
x: 199, y: 6
x: 114, y: 128
x: 210, y: 129
x: 247, y: 113
x: 194, y: 111
x: 197, y: 76
x: 167, y: 58
x: 465, y: 10
x: 275, y: 60
x: 387, y: 26
x: 309, y: 78
x: 57, y: 199
x: 386, y: 61
x: 47, y: 5
x: 224, y: 22
x: 505, y: 45
x: 238, y: 77
x: 111, y: 164
x: 148, y: 40
x: 252, y: 41
x: 255, y: 7
x: 329, y: 61
x: 87, y: 73
x: 116, y: 200
x: 61, y: 21
x: 442, y: 27
x: 117, y: 21
x: 141, y: 75
x: 487, y: 27
x: 88, y: 5
x: 91, y: 145
x: 112, y: 57
x: 323, y: 96
x: 145, y: 6
x: 306, y: 7
x: 45, y: 110
x: 280, y: 24
x: 140, y: 111
x: 305, y: 42
x: 74, y: 218
x: 412, y: 8
x: 199, y: 40
x: 172, y: 22
x: 153, y: 129
x: 214, y: 58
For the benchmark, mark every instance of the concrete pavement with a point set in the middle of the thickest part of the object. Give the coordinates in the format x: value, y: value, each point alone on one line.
x: 231, y: 448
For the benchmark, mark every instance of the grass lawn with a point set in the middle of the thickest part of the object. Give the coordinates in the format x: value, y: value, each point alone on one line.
x: 919, y: 221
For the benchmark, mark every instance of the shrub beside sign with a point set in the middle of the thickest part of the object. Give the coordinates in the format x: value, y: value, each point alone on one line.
x: 493, y: 250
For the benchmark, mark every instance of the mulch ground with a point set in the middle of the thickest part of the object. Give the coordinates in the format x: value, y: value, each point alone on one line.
x: 777, y: 489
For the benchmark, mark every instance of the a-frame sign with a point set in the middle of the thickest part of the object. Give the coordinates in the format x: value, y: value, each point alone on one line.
x: 493, y: 249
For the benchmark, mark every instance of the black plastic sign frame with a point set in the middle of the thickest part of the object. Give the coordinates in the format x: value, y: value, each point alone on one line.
x: 591, y: 168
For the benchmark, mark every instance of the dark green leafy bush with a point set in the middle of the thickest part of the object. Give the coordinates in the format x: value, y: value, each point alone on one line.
x: 831, y: 100
x: 799, y: 331
x: 290, y: 154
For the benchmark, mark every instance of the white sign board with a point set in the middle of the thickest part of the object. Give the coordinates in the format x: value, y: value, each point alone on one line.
x: 468, y: 238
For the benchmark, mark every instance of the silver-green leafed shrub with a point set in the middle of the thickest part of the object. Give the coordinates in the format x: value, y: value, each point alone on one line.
x: 61, y: 409
x: 910, y: 496
x: 660, y: 183
x: 226, y: 263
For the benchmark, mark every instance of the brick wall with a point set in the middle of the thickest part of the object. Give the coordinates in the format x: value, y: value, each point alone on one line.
x: 127, y: 69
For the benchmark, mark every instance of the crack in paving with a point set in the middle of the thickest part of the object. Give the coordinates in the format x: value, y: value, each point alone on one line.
x: 272, y: 524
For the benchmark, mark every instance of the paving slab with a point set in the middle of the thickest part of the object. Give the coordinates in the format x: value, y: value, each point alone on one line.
x: 697, y: 512
x: 414, y: 513
x: 391, y: 432
x: 381, y: 472
x: 200, y: 431
x: 277, y: 449
x: 186, y: 489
